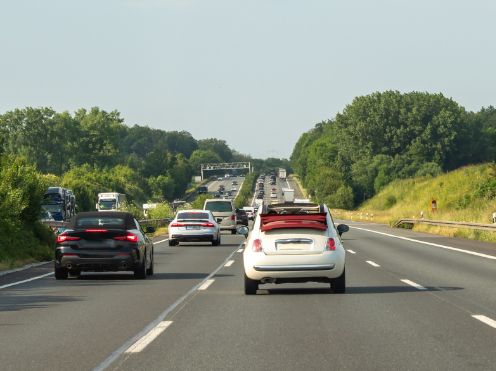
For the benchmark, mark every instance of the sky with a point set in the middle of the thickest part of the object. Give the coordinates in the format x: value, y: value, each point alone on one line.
x: 255, y: 73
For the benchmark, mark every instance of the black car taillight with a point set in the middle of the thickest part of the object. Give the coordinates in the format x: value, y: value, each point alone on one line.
x: 64, y: 237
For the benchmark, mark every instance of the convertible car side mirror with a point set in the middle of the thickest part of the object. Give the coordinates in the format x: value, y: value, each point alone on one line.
x: 342, y: 228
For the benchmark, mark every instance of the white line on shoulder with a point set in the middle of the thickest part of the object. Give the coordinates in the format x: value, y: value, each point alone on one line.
x: 162, y: 241
x: 31, y: 279
x: 432, y: 244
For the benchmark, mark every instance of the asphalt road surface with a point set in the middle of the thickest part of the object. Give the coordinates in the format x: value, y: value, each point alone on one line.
x: 414, y: 301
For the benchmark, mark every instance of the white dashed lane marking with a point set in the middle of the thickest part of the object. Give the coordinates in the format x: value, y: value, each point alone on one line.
x: 206, y: 284
x: 486, y: 320
x: 240, y: 250
x: 351, y: 251
x: 148, y: 338
x: 162, y: 241
x: 229, y: 263
x: 416, y: 285
x: 373, y: 264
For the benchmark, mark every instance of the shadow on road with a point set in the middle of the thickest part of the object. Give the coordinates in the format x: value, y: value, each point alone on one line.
x: 17, y: 303
x: 353, y: 290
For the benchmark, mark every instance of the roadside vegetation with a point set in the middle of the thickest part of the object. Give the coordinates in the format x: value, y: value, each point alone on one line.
x: 384, y: 137
x: 463, y: 195
x: 246, y: 193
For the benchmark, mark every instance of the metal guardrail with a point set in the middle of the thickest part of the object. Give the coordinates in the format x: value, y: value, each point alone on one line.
x: 444, y: 223
x: 57, y: 224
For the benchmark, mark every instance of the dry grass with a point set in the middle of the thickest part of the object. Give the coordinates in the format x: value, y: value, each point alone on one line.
x: 296, y: 178
x: 455, y: 193
x: 160, y: 231
x: 16, y: 264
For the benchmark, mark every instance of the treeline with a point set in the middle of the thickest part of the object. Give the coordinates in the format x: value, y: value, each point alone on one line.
x: 93, y: 151
x: 386, y: 136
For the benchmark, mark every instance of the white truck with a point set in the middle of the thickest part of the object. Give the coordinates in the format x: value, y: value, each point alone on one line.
x: 282, y: 173
x: 110, y: 201
x: 259, y: 202
x: 289, y: 195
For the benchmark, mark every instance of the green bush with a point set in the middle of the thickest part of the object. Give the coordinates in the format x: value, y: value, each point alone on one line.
x: 390, y: 202
x: 22, y: 236
x: 200, y: 201
x: 246, y: 193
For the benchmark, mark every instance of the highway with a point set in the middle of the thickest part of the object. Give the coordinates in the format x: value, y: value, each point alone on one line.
x: 414, y: 301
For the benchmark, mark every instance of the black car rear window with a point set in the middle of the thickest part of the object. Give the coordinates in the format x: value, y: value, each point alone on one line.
x: 218, y: 206
x: 241, y: 212
x: 104, y: 221
x: 192, y: 215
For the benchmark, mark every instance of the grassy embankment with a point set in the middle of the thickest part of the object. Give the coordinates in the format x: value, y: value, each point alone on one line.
x: 463, y: 195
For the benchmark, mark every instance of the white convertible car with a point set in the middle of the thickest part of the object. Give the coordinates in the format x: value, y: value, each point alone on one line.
x: 293, y: 243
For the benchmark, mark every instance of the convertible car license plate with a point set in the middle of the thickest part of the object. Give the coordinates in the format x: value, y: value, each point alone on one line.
x: 192, y: 227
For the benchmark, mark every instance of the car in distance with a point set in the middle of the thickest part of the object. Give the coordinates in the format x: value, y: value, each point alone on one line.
x: 202, y: 190
x: 229, y: 193
x: 242, y: 217
x: 235, y: 182
x: 233, y: 189
x: 95, y: 241
x: 273, y: 195
x: 216, y: 194
x: 194, y: 226
x: 219, y: 178
x: 250, y: 211
x: 294, y: 243
x: 260, y: 196
x: 224, y: 212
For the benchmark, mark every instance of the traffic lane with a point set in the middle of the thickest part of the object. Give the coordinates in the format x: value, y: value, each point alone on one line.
x: 227, y: 183
x: 380, y: 323
x: 461, y: 243
x: 81, y: 321
x: 431, y: 266
x: 40, y: 271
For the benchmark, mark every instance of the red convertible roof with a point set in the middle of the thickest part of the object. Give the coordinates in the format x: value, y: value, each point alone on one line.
x: 277, y: 221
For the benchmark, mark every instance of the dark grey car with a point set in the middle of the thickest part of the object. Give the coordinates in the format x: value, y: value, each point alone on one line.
x: 98, y: 242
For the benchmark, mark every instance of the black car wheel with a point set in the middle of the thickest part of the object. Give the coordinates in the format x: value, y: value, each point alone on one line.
x: 172, y: 243
x: 149, y: 271
x: 140, y: 273
x: 61, y: 273
x: 217, y: 241
x: 74, y: 272
x: 251, y: 286
x: 338, y: 285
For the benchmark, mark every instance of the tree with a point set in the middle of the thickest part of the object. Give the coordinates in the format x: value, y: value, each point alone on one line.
x: 217, y: 146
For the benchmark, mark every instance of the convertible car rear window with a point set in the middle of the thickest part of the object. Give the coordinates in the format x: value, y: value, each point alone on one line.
x: 103, y: 221
x: 218, y: 206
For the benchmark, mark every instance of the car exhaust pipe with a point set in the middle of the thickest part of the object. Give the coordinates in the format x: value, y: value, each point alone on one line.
x: 123, y: 265
x: 69, y: 266
x: 268, y: 280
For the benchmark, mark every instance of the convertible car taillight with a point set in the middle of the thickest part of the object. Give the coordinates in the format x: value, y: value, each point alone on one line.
x: 257, y: 246
x: 330, y: 244
x: 64, y: 237
x: 130, y: 237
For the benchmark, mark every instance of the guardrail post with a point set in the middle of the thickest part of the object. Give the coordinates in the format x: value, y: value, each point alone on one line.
x: 422, y: 215
x: 367, y: 216
x: 360, y: 216
x: 494, y: 218
x: 371, y: 217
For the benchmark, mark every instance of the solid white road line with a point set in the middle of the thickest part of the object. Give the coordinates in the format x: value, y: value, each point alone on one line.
x: 206, y: 284
x: 162, y: 241
x: 351, y: 251
x: 102, y: 366
x: 229, y: 263
x: 373, y: 264
x: 25, y: 267
x: 148, y: 338
x: 240, y: 250
x: 416, y: 285
x: 432, y: 244
x: 31, y: 279
x: 486, y: 320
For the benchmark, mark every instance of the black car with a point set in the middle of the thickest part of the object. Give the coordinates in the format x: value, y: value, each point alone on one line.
x: 260, y: 195
x: 241, y: 217
x: 216, y: 194
x: 103, y: 241
x: 228, y: 193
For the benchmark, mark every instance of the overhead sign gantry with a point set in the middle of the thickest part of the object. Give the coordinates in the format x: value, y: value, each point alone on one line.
x: 225, y: 166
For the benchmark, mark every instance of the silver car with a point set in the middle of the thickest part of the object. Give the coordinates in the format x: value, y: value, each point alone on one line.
x: 194, y: 226
x: 223, y: 210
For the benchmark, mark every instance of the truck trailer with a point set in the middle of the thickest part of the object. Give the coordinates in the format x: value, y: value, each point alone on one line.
x: 282, y: 173
x: 110, y: 201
